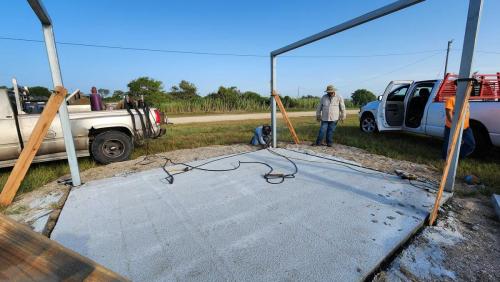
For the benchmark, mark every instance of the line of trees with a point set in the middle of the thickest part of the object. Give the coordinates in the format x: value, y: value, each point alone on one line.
x: 184, y: 97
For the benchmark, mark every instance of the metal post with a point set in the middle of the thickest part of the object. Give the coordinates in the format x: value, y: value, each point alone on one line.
x: 447, y: 55
x: 273, y: 101
x: 471, y: 29
x: 55, y: 69
x: 63, y: 109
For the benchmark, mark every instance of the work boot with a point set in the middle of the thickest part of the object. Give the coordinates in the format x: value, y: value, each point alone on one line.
x: 329, y: 145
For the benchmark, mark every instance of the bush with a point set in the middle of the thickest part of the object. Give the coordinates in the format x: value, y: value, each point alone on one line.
x: 362, y: 96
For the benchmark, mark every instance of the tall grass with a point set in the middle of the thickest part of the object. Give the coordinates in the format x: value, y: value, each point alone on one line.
x: 215, y: 105
x: 212, y: 105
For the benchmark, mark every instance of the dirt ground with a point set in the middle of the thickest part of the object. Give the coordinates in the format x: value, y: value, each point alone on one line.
x: 463, y: 246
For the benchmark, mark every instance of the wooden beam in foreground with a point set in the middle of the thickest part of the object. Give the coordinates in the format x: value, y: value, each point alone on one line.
x: 451, y: 148
x: 28, y: 153
x: 285, y: 117
x: 28, y: 256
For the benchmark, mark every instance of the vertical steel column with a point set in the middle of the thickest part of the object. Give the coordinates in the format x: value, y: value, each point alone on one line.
x: 471, y: 29
x: 55, y: 69
x: 273, y: 101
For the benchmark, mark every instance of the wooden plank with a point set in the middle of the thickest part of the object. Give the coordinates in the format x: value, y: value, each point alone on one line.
x: 28, y: 256
x: 285, y: 117
x: 451, y: 148
x: 28, y: 153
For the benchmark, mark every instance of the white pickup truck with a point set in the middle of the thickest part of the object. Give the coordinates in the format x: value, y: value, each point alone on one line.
x: 107, y: 136
x: 418, y: 107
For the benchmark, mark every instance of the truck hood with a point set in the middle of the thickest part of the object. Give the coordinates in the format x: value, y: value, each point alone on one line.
x: 373, y: 105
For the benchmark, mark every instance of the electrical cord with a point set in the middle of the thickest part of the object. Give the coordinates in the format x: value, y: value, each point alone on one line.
x: 270, y: 177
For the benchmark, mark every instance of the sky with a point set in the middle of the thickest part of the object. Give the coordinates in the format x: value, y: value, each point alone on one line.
x: 255, y: 27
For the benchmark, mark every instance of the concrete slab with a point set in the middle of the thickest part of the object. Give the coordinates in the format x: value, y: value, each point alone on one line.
x: 330, y: 222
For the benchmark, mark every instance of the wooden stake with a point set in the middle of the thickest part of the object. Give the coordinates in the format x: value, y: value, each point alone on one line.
x: 449, y: 156
x: 28, y: 153
x: 285, y: 117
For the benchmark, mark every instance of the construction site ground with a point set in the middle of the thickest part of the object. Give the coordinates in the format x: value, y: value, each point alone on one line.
x: 463, y: 246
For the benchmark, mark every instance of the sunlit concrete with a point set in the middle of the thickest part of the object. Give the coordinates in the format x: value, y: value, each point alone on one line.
x: 330, y: 222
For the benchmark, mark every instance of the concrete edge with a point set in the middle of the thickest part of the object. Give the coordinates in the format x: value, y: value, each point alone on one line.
x: 391, y: 255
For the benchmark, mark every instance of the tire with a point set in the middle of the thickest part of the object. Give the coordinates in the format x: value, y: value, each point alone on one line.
x: 367, y: 123
x: 483, y: 142
x: 111, y: 146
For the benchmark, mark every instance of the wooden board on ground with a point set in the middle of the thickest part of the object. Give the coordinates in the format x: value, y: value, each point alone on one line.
x: 28, y: 256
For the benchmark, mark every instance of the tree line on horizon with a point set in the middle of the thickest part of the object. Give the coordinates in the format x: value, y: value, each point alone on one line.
x: 184, y: 97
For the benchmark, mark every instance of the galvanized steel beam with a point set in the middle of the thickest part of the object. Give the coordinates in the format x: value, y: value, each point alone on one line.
x: 388, y: 9
x: 471, y: 29
x: 55, y: 69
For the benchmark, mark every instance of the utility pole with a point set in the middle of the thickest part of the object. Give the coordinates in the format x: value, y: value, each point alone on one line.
x: 447, y: 55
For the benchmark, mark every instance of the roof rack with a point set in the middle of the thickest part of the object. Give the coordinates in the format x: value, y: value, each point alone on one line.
x: 487, y: 87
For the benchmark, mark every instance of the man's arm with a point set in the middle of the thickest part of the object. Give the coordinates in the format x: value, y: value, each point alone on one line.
x: 260, y: 135
x: 318, y: 110
x: 342, y: 109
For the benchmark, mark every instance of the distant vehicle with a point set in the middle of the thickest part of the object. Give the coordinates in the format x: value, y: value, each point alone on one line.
x: 417, y: 107
x: 107, y: 136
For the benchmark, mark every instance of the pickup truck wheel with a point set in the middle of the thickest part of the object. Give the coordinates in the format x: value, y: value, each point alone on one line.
x: 367, y: 123
x: 111, y: 146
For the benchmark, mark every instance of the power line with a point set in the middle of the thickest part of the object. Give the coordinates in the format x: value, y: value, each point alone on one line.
x: 216, y: 53
x: 135, y: 48
x: 393, y: 70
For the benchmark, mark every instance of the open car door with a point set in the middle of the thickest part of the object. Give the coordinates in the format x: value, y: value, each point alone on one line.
x: 391, y: 108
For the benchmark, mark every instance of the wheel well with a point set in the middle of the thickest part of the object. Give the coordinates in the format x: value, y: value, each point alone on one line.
x: 367, y: 113
x: 480, y: 129
x: 94, y: 132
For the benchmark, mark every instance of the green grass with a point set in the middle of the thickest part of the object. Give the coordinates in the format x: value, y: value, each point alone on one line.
x: 400, y: 146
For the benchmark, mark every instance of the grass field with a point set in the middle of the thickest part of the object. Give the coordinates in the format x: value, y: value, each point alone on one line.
x: 401, y: 146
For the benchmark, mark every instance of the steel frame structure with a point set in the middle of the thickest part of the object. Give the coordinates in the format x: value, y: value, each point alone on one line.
x: 50, y: 44
x: 472, y: 27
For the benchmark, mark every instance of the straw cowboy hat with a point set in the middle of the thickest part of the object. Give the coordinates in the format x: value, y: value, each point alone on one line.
x: 330, y: 89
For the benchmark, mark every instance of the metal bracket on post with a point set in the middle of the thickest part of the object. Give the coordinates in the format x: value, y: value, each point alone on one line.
x: 55, y: 69
x: 471, y: 29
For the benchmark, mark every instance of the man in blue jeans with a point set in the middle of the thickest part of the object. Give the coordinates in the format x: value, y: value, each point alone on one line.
x: 331, y: 110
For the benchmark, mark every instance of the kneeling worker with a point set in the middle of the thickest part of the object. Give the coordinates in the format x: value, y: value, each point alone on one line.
x: 262, y: 136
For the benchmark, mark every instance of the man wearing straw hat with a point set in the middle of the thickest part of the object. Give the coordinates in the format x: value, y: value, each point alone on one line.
x: 330, y: 110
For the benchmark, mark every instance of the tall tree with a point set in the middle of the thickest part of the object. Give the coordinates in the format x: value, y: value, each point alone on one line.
x: 362, y: 96
x: 151, y: 89
x: 103, y: 91
x: 118, y: 94
x: 185, y: 90
x: 39, y: 91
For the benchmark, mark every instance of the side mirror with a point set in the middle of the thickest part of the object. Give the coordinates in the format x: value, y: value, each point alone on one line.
x: 379, y: 98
